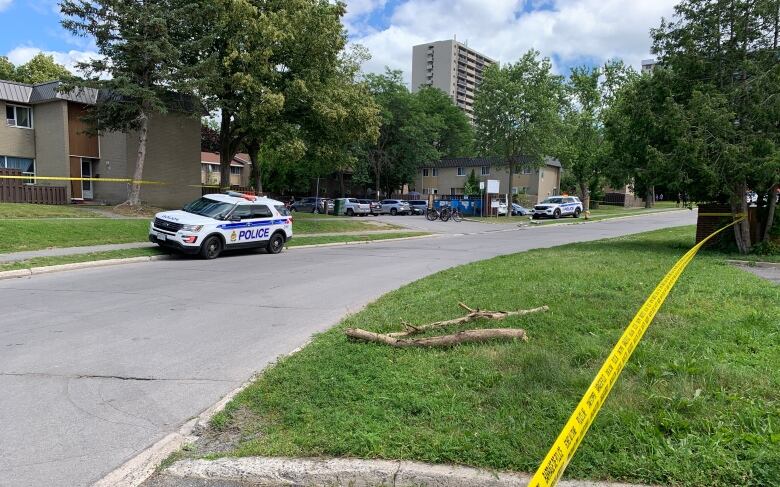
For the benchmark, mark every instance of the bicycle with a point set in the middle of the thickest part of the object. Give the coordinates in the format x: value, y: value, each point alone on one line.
x: 432, y: 214
x: 449, y: 212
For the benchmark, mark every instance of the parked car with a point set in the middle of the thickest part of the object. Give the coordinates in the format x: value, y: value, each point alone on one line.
x: 305, y: 205
x: 418, y: 206
x: 395, y: 207
x: 375, y: 206
x: 519, y: 210
x: 218, y: 222
x: 354, y: 207
x: 502, y: 209
x: 330, y: 205
x: 558, y: 206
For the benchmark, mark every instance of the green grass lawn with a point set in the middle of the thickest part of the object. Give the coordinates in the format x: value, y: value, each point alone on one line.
x: 21, y: 235
x: 698, y: 403
x: 24, y: 210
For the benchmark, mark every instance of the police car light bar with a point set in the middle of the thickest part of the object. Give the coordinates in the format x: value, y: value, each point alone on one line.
x: 236, y: 194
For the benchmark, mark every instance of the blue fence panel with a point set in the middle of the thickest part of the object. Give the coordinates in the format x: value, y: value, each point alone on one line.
x: 471, y: 207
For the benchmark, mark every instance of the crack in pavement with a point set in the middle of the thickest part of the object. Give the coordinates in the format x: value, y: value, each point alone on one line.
x: 115, y: 377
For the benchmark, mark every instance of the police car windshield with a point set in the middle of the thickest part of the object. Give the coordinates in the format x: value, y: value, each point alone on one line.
x: 208, y: 207
x: 553, y: 200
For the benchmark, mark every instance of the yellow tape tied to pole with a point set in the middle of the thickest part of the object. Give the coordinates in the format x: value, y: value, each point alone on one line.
x: 572, y: 434
x: 62, y: 178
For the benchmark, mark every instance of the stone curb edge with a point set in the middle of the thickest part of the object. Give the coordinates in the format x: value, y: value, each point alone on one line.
x: 139, y: 468
x: 278, y: 471
x: 32, y: 271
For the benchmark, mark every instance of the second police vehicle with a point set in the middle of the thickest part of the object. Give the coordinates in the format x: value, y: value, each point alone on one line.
x: 558, y: 206
x: 218, y: 222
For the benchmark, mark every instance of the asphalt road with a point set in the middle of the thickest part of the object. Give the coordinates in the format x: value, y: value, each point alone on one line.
x: 98, y: 364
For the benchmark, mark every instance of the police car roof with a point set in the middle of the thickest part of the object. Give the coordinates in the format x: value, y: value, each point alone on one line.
x: 226, y: 198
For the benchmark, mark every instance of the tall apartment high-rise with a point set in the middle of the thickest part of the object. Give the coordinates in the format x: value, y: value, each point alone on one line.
x: 452, y: 67
x: 648, y: 65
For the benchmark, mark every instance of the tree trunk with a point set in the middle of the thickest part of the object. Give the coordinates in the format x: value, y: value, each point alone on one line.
x: 257, y: 171
x: 585, y: 194
x: 770, y: 214
x: 741, y: 229
x: 511, y: 180
x: 226, y: 150
x: 650, y: 197
x: 135, y: 187
x: 341, y: 183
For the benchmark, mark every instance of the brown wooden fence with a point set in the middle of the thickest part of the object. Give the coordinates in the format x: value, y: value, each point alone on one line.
x: 16, y: 191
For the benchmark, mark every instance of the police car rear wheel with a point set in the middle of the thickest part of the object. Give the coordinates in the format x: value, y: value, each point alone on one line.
x: 211, y: 248
x: 276, y: 244
x: 577, y: 213
x: 557, y: 213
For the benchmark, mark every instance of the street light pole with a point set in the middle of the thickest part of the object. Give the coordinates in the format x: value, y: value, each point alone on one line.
x: 317, y: 194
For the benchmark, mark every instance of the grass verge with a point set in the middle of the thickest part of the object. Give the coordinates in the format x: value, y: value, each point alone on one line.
x: 24, y: 210
x: 299, y: 241
x: 697, y: 404
x: 70, y: 259
x: 602, y: 213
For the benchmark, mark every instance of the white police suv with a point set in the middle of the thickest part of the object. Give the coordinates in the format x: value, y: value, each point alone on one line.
x: 217, y: 222
x: 558, y: 206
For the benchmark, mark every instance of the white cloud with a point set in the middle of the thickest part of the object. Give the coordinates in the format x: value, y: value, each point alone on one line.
x: 22, y: 54
x: 569, y: 29
x: 4, y: 4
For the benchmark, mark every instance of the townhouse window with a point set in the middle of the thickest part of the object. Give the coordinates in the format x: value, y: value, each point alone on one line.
x: 425, y: 172
x: 430, y: 191
x: 18, y: 116
x: 22, y: 164
x: 235, y: 170
x: 523, y: 169
x: 435, y: 171
x: 461, y: 171
x: 486, y: 170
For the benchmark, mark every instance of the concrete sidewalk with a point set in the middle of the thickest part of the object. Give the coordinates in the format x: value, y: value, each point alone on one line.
x: 59, y: 252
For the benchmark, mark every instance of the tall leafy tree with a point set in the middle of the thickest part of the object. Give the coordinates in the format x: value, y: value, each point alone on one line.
x: 583, y: 148
x: 141, y: 60
x: 724, y: 57
x: 454, y: 134
x: 40, y: 69
x: 7, y: 69
x: 406, y: 139
x: 269, y: 69
x: 517, y: 110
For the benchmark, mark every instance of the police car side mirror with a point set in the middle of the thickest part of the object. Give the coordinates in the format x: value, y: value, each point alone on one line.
x: 235, y: 218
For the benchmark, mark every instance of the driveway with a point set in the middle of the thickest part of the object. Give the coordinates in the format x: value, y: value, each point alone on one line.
x: 98, y: 364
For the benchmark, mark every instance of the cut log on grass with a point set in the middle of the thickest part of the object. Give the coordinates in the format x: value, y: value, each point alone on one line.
x: 467, y: 336
x: 474, y: 314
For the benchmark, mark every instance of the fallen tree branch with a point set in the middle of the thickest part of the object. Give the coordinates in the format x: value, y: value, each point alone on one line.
x: 474, y: 314
x: 467, y: 336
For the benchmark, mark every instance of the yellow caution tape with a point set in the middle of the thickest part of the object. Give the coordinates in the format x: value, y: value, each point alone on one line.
x: 738, y: 215
x: 573, y: 432
x: 62, y: 178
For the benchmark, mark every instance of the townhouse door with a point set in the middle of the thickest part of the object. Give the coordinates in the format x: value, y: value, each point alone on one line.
x: 87, y: 172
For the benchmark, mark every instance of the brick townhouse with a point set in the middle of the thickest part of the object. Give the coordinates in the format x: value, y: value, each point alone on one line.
x: 44, y: 134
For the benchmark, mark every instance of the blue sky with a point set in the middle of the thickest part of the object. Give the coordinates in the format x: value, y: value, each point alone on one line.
x: 570, y: 32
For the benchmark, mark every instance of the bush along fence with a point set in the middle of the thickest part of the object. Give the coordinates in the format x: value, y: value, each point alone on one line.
x: 21, y: 191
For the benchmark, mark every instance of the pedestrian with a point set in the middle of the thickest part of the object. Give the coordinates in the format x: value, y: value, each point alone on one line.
x: 677, y: 202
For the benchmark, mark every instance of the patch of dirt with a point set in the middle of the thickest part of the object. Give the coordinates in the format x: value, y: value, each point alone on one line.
x: 218, y: 441
x: 136, y: 211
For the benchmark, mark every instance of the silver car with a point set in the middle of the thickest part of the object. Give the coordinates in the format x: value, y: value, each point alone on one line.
x: 354, y: 207
x: 395, y: 207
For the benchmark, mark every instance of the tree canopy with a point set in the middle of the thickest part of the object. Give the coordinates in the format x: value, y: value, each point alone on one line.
x: 40, y: 69
x: 517, y: 110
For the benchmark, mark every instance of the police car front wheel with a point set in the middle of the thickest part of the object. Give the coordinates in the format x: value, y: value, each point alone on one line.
x: 211, y: 247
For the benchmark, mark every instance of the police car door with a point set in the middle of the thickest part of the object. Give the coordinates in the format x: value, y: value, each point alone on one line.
x: 259, y: 225
x: 231, y: 231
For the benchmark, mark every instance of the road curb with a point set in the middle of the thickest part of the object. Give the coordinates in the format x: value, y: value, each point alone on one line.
x: 32, y: 271
x: 271, y: 471
x: 138, y: 469
x: 361, y: 242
